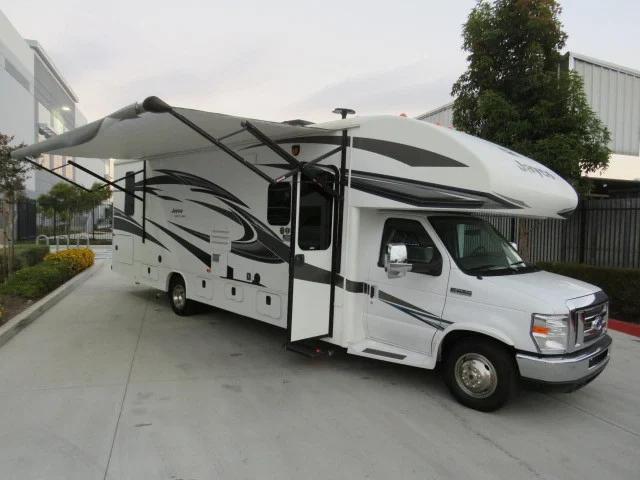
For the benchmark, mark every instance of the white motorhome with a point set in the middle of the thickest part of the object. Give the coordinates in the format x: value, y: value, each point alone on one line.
x: 360, y: 232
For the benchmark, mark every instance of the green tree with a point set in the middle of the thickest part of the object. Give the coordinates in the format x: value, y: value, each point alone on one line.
x: 64, y: 199
x: 518, y: 91
x: 13, y: 174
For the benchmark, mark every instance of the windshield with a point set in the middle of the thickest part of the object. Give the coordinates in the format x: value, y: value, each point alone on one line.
x: 477, y: 247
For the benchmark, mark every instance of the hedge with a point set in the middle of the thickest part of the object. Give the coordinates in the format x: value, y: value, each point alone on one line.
x: 38, y: 280
x: 621, y: 284
x: 27, y: 255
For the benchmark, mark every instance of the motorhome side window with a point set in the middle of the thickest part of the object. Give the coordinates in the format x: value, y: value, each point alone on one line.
x: 316, y: 207
x: 279, y: 204
x: 129, y: 186
x: 421, y: 251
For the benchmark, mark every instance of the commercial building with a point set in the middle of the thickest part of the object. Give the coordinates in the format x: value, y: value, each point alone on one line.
x: 613, y: 92
x: 36, y: 102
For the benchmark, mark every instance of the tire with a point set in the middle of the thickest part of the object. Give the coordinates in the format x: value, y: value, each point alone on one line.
x: 180, y: 304
x: 480, y: 373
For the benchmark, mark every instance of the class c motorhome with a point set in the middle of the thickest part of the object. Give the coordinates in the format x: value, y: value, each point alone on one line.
x: 362, y: 232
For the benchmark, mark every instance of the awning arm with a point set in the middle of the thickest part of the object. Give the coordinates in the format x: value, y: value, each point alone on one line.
x: 155, y: 105
x: 42, y: 167
x: 311, y: 172
x: 270, y: 144
x: 107, y: 182
x: 308, y: 165
x: 117, y: 179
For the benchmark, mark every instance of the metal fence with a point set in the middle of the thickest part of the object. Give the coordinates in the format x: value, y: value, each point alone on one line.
x: 601, y: 232
x: 32, y: 221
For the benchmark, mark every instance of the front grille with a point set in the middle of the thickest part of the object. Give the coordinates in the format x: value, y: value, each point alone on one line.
x: 590, y: 323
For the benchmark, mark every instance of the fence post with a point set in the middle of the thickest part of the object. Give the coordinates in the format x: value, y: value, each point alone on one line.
x: 54, y: 225
x: 93, y: 224
x: 512, y: 229
x: 583, y: 231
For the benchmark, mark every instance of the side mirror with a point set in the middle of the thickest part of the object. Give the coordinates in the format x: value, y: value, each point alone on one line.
x: 514, y: 245
x: 395, y: 260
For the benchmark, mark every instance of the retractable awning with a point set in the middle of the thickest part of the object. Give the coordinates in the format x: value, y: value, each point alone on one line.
x: 136, y: 132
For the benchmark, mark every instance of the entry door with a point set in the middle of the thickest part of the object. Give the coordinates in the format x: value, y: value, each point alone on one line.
x: 406, y: 311
x: 309, y: 314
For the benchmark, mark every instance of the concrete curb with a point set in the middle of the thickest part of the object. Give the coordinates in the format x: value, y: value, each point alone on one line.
x: 20, y: 321
x: 625, y: 327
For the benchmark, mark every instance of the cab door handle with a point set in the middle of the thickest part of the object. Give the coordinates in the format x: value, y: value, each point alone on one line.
x: 372, y: 291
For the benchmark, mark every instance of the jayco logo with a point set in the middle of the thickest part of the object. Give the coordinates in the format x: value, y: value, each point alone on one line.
x: 177, y: 212
x: 528, y: 168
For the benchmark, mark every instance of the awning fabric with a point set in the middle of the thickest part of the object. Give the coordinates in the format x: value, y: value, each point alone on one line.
x: 132, y: 133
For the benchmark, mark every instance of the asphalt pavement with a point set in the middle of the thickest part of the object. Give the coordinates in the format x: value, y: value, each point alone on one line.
x: 110, y: 384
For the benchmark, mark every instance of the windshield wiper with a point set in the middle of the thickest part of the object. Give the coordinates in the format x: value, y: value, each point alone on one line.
x: 485, y: 267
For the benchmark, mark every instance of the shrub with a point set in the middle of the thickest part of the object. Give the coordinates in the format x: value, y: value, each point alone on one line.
x: 38, y: 280
x: 27, y: 256
x: 621, y: 284
x: 30, y: 255
x: 78, y: 258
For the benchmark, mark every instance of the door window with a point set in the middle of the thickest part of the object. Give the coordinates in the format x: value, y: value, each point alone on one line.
x: 316, y: 208
x: 422, y: 253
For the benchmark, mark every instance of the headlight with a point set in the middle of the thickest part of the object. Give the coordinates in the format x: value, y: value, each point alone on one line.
x: 550, y: 332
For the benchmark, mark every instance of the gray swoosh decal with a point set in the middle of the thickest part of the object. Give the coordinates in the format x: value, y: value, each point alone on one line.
x: 407, y: 154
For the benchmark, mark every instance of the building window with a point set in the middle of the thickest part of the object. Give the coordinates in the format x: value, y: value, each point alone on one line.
x: 44, y: 115
x: 279, y: 203
x: 68, y: 169
x: 316, y: 208
x: 129, y: 186
x: 57, y: 124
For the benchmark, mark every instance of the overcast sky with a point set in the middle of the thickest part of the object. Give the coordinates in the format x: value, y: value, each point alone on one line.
x: 282, y: 59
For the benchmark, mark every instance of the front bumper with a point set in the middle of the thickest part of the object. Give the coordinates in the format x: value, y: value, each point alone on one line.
x: 577, y: 368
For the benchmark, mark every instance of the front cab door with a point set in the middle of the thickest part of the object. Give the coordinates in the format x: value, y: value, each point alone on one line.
x: 406, y: 311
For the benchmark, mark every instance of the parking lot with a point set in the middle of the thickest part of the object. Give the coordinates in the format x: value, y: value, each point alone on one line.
x: 109, y: 383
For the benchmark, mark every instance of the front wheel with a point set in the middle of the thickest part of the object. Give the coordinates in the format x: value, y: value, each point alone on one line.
x: 180, y: 304
x: 480, y: 373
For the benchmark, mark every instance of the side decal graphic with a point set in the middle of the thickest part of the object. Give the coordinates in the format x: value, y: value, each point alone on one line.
x: 203, y: 256
x: 127, y: 224
x: 416, y: 312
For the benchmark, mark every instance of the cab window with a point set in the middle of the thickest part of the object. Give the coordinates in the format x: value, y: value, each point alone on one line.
x: 422, y: 253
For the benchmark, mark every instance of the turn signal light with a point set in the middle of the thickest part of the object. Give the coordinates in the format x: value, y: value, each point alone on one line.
x: 541, y: 330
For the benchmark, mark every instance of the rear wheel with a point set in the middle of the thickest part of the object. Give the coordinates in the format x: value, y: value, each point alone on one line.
x: 180, y: 304
x: 480, y: 373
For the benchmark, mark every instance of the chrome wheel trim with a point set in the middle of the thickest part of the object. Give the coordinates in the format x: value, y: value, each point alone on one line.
x: 179, y: 296
x: 475, y: 375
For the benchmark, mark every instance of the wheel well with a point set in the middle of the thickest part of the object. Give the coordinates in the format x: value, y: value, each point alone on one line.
x: 454, y: 337
x: 173, y: 276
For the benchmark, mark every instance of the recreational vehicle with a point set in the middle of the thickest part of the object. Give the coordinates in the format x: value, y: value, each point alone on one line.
x: 362, y: 232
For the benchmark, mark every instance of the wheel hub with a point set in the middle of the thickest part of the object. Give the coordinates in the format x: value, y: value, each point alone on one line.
x: 476, y: 375
x: 179, y: 296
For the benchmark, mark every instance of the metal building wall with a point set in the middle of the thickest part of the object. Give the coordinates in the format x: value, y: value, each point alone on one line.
x: 441, y: 116
x: 614, y: 94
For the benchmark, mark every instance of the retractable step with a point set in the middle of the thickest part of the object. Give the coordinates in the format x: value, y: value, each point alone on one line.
x: 308, y: 349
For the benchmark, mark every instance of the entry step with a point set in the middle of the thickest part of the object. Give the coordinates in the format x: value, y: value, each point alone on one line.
x: 308, y: 349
